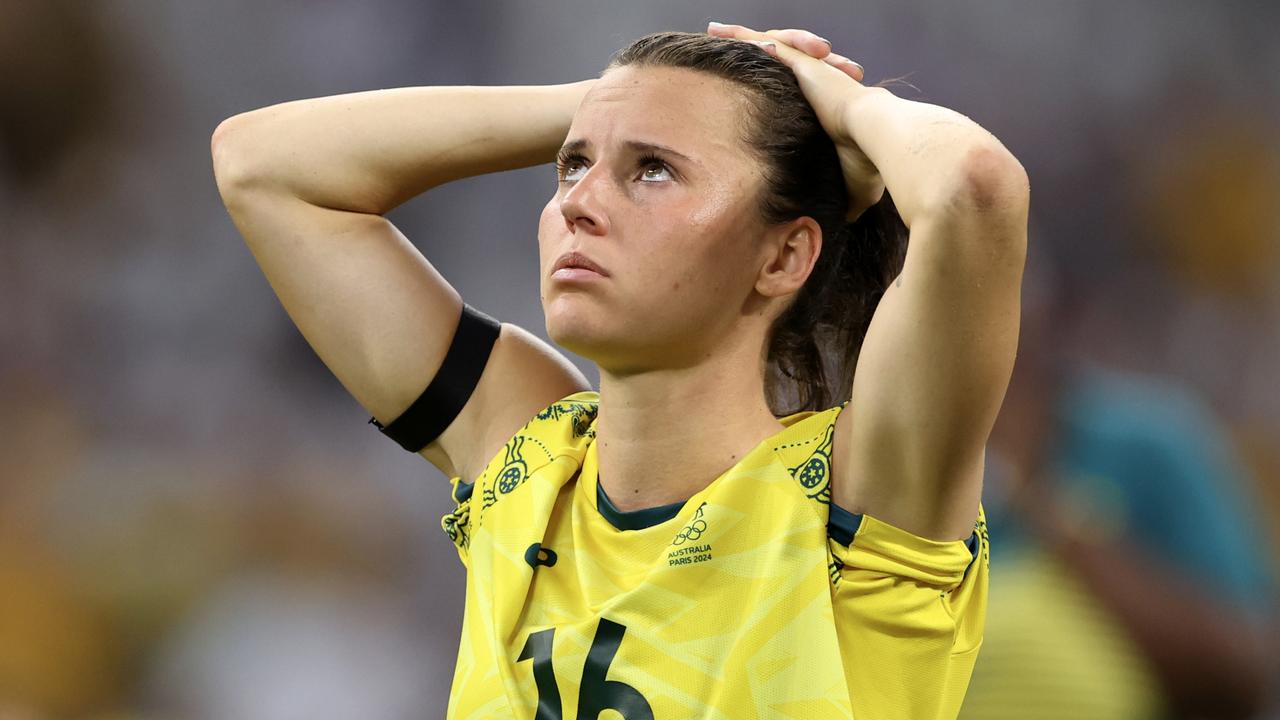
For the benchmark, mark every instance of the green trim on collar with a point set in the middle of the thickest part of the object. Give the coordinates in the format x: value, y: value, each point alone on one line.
x: 634, y: 519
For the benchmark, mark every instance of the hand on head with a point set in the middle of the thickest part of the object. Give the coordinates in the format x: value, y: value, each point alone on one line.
x: 809, y: 43
x: 831, y: 83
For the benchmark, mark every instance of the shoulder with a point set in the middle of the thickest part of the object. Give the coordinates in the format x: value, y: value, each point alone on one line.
x: 569, y: 422
x: 574, y: 414
x: 943, y: 510
x: 807, y: 448
x: 564, y: 428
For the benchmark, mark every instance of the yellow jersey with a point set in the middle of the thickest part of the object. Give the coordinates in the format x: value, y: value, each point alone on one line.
x: 755, y: 598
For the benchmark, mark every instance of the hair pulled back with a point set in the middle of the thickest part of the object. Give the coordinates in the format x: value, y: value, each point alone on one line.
x: 812, y: 347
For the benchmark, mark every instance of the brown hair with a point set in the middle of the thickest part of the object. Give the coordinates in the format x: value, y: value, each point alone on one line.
x: 813, y: 345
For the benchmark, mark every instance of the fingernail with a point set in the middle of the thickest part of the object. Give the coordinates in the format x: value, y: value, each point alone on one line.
x: 860, y: 68
x: 764, y: 44
x: 828, y: 42
x: 713, y: 23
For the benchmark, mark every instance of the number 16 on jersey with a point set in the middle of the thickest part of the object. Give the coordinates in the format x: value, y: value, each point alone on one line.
x: 596, y: 694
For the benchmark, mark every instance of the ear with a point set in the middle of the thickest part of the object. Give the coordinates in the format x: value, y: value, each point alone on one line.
x: 790, y: 251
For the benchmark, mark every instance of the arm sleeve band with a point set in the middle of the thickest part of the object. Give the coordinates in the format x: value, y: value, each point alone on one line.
x: 452, y: 386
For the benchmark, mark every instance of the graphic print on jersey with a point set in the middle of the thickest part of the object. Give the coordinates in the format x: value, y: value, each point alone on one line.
x: 596, y: 693
x: 815, y: 472
x: 755, y: 597
x: 514, y: 467
x: 685, y: 548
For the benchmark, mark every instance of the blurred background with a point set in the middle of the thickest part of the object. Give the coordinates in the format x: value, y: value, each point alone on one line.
x: 196, y: 521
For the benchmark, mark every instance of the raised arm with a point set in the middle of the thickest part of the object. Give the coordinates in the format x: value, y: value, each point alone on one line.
x: 939, y: 352
x: 937, y: 358
x: 307, y: 182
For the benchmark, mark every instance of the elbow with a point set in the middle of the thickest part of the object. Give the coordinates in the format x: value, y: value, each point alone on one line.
x: 987, y: 198
x: 992, y: 182
x: 219, y: 145
x: 227, y: 166
x: 232, y: 168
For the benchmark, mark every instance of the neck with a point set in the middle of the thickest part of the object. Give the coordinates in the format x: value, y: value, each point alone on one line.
x: 664, y: 434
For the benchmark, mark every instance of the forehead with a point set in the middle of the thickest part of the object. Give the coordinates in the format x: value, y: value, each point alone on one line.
x: 693, y: 112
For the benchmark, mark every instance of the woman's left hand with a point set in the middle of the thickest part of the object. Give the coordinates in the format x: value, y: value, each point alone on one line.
x: 830, y: 83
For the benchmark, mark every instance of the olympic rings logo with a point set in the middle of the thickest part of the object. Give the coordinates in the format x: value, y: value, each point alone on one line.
x: 693, y: 531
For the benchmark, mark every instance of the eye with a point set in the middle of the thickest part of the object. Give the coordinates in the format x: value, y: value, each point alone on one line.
x: 566, y: 163
x: 653, y: 162
x: 651, y: 165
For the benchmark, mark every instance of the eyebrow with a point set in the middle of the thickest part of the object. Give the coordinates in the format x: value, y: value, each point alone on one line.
x: 581, y: 144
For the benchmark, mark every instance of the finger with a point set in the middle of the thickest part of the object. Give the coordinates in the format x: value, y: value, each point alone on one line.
x: 767, y: 42
x: 853, y: 69
x: 788, y: 55
x: 804, y: 41
x: 769, y: 46
x: 732, y: 31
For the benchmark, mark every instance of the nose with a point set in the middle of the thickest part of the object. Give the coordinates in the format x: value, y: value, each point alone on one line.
x: 581, y: 204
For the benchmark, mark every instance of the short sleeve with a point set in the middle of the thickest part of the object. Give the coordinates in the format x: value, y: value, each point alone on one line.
x: 563, y: 428
x: 910, y: 613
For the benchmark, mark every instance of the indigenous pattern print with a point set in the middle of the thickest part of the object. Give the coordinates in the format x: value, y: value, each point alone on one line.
x: 814, y: 473
x: 756, y: 597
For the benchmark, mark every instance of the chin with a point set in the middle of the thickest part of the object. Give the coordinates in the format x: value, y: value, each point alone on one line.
x: 573, y: 324
x: 588, y: 331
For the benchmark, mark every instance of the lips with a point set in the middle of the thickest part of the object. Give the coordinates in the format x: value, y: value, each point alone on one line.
x: 576, y: 259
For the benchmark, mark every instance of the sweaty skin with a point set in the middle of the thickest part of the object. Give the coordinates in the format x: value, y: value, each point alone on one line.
x: 678, y: 326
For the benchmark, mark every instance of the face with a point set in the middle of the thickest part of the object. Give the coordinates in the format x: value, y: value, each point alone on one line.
x: 658, y: 188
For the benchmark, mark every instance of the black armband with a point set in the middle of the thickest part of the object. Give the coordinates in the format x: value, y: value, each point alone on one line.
x: 452, y: 386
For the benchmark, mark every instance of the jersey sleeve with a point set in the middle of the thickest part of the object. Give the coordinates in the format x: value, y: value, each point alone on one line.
x: 457, y: 524
x: 912, y: 611
x: 563, y: 428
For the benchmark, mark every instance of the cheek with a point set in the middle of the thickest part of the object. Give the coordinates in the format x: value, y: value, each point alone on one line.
x: 550, y: 211
x: 718, y: 206
x: 546, y: 227
x: 716, y: 248
x: 690, y: 267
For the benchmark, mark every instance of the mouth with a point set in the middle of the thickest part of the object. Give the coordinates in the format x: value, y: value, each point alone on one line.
x: 575, y: 266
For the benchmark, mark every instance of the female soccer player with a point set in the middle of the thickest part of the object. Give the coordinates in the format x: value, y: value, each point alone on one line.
x: 737, y: 524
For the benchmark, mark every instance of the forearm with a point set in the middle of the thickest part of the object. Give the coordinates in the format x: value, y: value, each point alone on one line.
x: 932, y: 159
x: 371, y: 151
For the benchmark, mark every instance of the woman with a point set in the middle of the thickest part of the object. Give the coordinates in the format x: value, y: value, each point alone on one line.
x: 683, y: 543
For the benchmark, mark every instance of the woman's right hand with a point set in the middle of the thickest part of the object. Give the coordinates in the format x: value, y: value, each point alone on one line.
x: 830, y: 94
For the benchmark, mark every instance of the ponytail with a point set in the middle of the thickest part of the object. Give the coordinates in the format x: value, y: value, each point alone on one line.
x: 814, y: 344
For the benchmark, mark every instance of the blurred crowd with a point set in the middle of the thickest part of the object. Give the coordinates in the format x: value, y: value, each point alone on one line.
x: 197, y: 522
